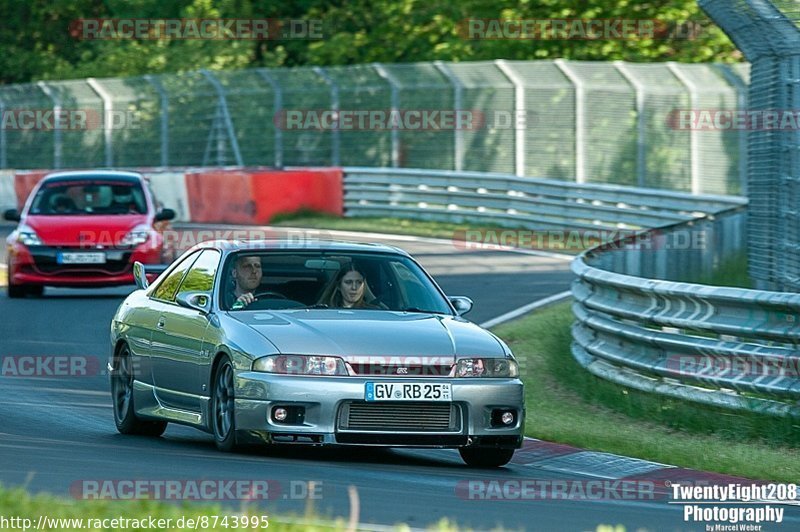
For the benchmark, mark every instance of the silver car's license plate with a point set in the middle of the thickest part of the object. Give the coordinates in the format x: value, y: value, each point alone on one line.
x: 407, y: 391
x: 80, y: 258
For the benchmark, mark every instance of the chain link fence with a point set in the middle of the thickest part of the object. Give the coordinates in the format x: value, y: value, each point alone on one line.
x: 768, y: 35
x: 588, y: 122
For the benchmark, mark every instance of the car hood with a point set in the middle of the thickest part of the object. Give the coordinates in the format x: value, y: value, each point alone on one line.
x: 76, y: 230
x: 356, y: 334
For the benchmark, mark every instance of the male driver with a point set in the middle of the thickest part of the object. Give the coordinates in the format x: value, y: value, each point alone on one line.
x: 246, y: 275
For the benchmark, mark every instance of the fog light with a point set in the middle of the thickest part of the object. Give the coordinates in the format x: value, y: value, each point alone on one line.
x: 507, y: 418
x: 279, y: 414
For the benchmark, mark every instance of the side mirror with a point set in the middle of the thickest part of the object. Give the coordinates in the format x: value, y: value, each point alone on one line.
x: 462, y: 304
x: 140, y: 276
x: 197, y: 300
x: 165, y: 214
x: 12, y: 215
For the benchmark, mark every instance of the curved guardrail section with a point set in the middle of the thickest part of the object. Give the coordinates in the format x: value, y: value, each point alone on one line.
x: 639, y: 321
x: 723, y: 346
x: 508, y: 200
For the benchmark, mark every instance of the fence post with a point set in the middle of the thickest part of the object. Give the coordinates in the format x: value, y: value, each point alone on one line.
x: 277, y: 104
x: 225, y: 115
x: 741, y: 105
x: 3, y: 140
x: 520, y: 114
x: 108, y: 107
x: 335, y: 134
x: 458, y: 134
x: 580, y: 119
x: 641, y: 141
x: 57, y: 138
x: 395, y: 103
x: 694, y: 141
x: 164, y: 118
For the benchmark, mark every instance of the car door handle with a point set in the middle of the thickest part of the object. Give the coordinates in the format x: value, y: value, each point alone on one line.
x: 160, y: 323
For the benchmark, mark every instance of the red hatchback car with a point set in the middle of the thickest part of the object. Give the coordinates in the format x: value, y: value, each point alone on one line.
x: 84, y: 228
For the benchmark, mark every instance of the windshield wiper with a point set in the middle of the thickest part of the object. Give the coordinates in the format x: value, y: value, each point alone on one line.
x: 317, y: 305
x: 417, y: 309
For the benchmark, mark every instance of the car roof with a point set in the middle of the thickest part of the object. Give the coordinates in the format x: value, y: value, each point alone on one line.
x: 93, y: 174
x: 292, y: 244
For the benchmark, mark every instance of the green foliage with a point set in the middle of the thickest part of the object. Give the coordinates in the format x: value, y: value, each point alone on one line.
x: 38, y: 44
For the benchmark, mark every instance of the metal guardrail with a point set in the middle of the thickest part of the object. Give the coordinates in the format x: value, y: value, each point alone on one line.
x: 508, y: 200
x: 722, y: 346
x: 638, y: 322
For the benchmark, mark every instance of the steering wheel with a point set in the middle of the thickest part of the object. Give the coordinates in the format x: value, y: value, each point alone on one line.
x: 270, y: 294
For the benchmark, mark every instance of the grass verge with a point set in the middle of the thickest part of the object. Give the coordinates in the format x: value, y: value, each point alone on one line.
x: 567, y: 404
x: 545, y: 241
x: 65, y: 514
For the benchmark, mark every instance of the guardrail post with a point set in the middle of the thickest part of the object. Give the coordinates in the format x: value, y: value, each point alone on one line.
x: 57, y: 137
x: 164, y: 118
x: 108, y: 108
x: 335, y: 133
x: 641, y: 141
x: 277, y: 104
x: 694, y: 144
x: 519, y: 111
x: 225, y: 115
x: 458, y: 134
x: 395, y: 103
x: 580, y: 119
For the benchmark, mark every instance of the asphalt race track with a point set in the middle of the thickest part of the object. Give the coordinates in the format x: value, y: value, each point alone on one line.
x: 57, y: 432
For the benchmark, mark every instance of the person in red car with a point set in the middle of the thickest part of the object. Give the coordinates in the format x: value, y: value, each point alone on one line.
x: 82, y: 229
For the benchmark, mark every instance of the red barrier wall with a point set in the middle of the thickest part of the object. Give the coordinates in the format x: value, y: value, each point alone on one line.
x: 255, y: 197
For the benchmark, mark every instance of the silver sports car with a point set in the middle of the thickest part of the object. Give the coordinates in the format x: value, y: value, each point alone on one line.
x: 312, y: 343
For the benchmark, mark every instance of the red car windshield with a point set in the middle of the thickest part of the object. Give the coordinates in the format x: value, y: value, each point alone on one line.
x: 86, y: 197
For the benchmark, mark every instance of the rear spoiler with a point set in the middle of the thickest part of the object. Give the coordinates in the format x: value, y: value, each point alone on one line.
x: 144, y: 274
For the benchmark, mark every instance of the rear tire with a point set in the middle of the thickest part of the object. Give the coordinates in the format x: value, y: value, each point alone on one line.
x: 485, y: 456
x: 223, y: 413
x: 122, y: 395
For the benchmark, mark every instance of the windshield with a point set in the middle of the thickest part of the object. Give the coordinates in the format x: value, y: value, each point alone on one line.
x: 89, y: 196
x: 328, y: 280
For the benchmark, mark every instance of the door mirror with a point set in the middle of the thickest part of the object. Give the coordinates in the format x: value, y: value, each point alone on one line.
x: 197, y: 300
x: 462, y: 304
x: 139, y: 275
x: 12, y: 215
x: 165, y: 214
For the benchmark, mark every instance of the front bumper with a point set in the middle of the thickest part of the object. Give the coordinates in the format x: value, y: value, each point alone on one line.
x: 326, y: 400
x: 37, y: 265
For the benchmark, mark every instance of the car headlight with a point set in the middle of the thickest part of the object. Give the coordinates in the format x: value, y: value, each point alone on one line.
x: 137, y: 235
x: 487, y: 367
x: 300, y: 365
x: 27, y: 236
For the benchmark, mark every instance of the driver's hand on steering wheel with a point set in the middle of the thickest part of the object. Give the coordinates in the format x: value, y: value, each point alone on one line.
x: 244, y: 300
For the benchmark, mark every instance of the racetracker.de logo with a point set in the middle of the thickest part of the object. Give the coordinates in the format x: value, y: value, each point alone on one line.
x: 67, y: 120
x: 734, y: 119
x: 213, y: 29
x: 195, y: 489
x: 50, y: 366
x: 561, y: 29
x: 530, y: 489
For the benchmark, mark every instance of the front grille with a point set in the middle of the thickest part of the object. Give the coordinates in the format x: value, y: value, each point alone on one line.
x: 117, y: 262
x: 399, y: 440
x: 400, y: 417
x: 398, y: 370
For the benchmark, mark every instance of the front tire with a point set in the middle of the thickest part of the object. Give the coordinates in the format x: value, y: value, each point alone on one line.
x: 15, y: 291
x: 122, y: 394
x: 485, y: 456
x: 223, y: 413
